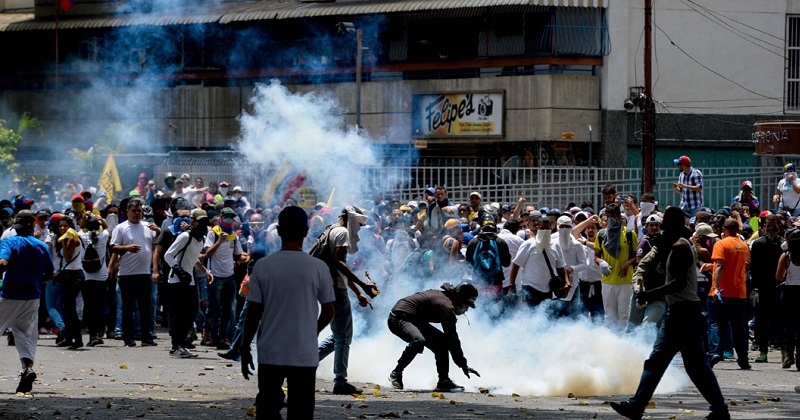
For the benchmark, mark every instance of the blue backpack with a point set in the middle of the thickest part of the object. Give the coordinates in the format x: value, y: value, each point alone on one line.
x: 486, y: 259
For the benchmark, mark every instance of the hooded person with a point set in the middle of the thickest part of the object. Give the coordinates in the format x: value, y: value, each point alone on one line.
x: 410, y: 319
x: 488, y: 254
x: 575, y: 259
x: 141, y: 185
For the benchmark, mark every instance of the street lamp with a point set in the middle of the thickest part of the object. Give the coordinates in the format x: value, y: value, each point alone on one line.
x: 349, y: 27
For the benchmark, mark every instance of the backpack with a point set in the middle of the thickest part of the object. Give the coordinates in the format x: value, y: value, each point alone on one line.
x: 91, y: 259
x: 322, y: 249
x: 486, y: 259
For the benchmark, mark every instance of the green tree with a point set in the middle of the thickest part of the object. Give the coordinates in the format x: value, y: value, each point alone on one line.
x: 9, y: 141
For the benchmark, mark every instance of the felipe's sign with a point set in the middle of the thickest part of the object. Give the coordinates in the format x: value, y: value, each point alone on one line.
x: 474, y: 114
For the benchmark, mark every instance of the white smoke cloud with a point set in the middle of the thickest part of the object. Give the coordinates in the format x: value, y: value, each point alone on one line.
x: 308, y: 132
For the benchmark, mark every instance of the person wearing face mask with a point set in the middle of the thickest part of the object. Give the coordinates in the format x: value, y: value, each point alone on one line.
x: 182, y: 258
x: 589, y: 282
x: 648, y: 275
x: 787, y: 196
x: 223, y: 249
x: 575, y: 259
x: 180, y: 223
x: 764, y: 255
x: 615, y: 254
x: 537, y: 271
x: 241, y: 199
x: 410, y: 319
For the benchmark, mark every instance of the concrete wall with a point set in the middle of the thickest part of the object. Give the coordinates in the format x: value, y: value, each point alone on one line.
x: 538, y: 107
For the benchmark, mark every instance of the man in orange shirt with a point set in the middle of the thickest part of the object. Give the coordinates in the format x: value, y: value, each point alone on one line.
x: 728, y: 296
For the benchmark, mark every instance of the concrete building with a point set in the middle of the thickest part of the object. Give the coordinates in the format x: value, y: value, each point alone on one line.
x: 549, y: 69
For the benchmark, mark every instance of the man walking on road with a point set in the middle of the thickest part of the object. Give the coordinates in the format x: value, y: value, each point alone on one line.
x: 285, y: 289
x: 682, y: 329
x: 26, y: 263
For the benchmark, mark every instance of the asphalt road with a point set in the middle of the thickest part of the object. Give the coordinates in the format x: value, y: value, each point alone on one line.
x: 112, y: 381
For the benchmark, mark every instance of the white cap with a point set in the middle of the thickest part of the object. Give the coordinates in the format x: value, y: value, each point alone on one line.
x: 186, y: 176
x: 653, y: 218
x: 496, y: 206
x: 564, y: 220
x: 237, y: 189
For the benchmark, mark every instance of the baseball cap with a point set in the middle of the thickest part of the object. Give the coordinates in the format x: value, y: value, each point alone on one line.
x: 134, y: 193
x: 789, y: 167
x: 199, y: 214
x: 151, y: 182
x: 237, y: 189
x: 227, y: 210
x: 25, y: 218
x: 21, y: 200
x: 430, y: 191
x: 78, y: 197
x: 320, y: 205
x: 450, y: 223
x: 764, y: 213
x: 564, y: 220
x: 187, y: 176
x: 178, y: 181
x: 43, y: 213
x: 475, y: 193
x: 747, y: 184
x: 723, y: 211
x: 535, y: 214
x: 505, y: 207
x: 683, y: 160
x: 653, y: 219
x: 223, y: 184
x: 703, y: 229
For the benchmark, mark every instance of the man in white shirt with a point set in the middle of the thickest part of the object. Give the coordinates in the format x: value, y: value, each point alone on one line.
x: 133, y: 241
x: 286, y: 289
x: 536, y: 274
x: 223, y: 250
x: 509, y: 234
x: 788, y: 193
x: 574, y: 258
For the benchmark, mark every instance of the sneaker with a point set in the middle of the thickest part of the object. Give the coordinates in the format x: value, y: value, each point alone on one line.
x: 727, y: 355
x: 447, y: 385
x: 224, y: 345
x: 396, y: 379
x: 149, y: 343
x: 43, y: 331
x: 745, y: 365
x: 26, y: 380
x: 714, y: 359
x: 64, y: 343
x: 228, y: 356
x: 76, y: 345
x: 110, y: 335
x: 346, y: 389
x: 94, y: 341
x: 182, y: 353
x: 762, y: 358
x: 626, y: 409
x: 787, y: 362
x: 130, y: 343
x: 118, y: 336
x: 189, y: 345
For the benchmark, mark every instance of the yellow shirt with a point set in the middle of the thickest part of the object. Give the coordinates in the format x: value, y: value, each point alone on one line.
x: 624, y: 255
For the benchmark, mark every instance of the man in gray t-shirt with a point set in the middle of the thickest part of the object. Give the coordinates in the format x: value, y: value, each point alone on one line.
x: 285, y: 290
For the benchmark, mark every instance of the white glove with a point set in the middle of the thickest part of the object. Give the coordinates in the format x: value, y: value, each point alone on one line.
x: 606, y: 268
x: 637, y: 288
x: 754, y: 297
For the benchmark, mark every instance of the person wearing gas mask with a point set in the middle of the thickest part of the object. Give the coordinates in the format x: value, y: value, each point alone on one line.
x: 223, y: 249
x: 787, y: 196
x: 183, y: 257
x: 615, y: 254
x: 536, y: 269
x: 411, y: 320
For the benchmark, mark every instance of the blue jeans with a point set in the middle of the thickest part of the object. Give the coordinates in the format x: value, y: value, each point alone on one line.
x: 136, y: 291
x: 682, y: 330
x: 54, y: 305
x: 221, y: 308
x: 653, y: 312
x: 726, y: 319
x: 237, y: 334
x: 339, y: 341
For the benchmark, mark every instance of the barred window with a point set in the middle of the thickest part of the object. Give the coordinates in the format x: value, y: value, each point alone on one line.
x: 793, y: 64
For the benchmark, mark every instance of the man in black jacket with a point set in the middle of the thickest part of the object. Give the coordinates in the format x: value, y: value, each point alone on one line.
x: 764, y: 255
x: 411, y: 319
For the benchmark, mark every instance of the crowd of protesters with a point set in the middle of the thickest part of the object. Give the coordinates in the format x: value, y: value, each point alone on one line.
x: 179, y: 253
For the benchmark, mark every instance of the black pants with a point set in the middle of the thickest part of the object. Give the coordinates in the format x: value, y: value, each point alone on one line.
x: 592, y: 305
x: 300, y: 380
x: 419, y: 335
x: 136, y: 290
x: 182, y: 311
x: 681, y: 331
x: 93, y: 306
x: 767, y: 321
x: 110, y: 299
x: 790, y: 299
x: 71, y: 284
x: 534, y: 297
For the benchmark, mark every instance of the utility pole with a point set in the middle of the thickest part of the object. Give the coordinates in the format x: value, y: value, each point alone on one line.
x: 359, y: 54
x: 648, y: 134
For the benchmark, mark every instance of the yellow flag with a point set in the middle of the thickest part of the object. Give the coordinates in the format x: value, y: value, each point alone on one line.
x: 109, y: 179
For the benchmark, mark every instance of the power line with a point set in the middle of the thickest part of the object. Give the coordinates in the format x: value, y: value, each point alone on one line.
x: 709, y: 69
x: 732, y: 30
x: 732, y: 19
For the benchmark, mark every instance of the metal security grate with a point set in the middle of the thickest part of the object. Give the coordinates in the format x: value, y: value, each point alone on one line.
x: 792, y: 64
